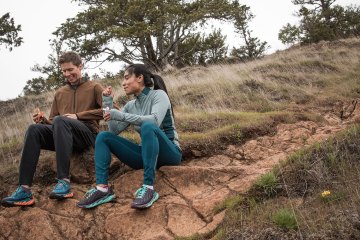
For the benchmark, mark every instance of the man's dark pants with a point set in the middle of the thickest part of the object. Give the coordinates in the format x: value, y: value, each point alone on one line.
x: 63, y: 136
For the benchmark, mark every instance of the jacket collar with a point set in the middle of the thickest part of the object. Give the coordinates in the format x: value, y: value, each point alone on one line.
x: 143, y: 94
x: 82, y: 80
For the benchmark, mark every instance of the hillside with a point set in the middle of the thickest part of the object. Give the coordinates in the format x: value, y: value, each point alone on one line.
x: 236, y: 122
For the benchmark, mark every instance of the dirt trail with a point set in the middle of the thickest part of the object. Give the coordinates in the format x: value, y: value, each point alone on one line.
x: 188, y: 193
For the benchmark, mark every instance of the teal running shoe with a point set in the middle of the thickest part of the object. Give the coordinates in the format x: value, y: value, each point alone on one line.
x: 144, y: 198
x: 21, y: 197
x: 95, y: 197
x: 61, y: 190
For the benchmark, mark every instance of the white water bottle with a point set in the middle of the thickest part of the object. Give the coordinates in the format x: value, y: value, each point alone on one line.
x: 107, y: 92
x: 106, y: 109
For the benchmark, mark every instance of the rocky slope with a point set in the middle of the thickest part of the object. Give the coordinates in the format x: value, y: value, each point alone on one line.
x: 188, y: 193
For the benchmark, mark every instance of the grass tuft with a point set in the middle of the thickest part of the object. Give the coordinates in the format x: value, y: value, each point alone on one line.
x: 267, y: 183
x: 285, y: 218
x: 229, y: 203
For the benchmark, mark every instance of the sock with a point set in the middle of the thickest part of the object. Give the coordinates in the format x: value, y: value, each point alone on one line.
x: 148, y: 186
x: 26, y: 187
x: 102, y: 189
x: 66, y: 179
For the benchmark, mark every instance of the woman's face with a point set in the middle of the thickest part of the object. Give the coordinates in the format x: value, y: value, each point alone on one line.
x: 133, y: 84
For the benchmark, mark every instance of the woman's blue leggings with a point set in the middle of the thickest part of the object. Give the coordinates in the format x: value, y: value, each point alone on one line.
x: 156, y: 150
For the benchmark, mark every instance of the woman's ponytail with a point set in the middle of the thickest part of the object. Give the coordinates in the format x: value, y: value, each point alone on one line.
x: 159, y: 83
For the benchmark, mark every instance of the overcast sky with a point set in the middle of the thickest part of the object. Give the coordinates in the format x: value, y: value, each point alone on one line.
x: 39, y: 18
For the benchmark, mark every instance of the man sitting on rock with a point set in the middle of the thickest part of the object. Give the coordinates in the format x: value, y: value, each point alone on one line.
x: 72, y: 125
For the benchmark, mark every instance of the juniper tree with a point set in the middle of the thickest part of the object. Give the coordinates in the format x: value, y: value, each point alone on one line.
x: 321, y: 20
x: 149, y: 31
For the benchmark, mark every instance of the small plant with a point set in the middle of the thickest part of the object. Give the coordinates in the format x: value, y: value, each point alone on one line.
x: 284, y: 218
x: 229, y: 203
x: 328, y: 196
x: 268, y: 183
x: 220, y: 234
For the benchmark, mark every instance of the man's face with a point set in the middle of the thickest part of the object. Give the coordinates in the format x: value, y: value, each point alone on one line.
x: 71, y: 72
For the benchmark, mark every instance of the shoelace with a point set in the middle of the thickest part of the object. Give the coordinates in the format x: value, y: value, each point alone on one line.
x: 60, y: 183
x: 141, y: 192
x: 89, y: 193
x: 18, y: 190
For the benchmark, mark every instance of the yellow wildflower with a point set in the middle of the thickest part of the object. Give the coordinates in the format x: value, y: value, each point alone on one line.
x: 325, y: 193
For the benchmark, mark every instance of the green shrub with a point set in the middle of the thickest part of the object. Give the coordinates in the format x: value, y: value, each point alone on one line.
x: 267, y: 183
x: 285, y: 219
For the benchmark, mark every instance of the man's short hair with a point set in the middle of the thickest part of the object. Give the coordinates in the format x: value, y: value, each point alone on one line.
x: 70, y: 56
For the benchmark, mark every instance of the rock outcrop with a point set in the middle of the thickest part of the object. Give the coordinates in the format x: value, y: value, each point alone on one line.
x: 189, y: 193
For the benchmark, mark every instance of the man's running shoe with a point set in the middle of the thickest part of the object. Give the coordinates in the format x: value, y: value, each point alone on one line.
x: 21, y: 197
x: 95, y: 197
x: 61, y: 190
x: 144, y: 198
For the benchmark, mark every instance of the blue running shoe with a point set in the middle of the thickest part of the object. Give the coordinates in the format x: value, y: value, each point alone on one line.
x: 61, y: 190
x: 144, y: 198
x: 21, y: 197
x: 95, y: 197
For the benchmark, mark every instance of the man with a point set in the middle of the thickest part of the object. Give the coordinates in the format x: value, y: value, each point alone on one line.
x: 72, y: 125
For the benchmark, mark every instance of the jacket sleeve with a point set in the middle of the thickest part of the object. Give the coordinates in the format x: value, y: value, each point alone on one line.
x: 94, y: 114
x: 116, y: 126
x: 160, y: 105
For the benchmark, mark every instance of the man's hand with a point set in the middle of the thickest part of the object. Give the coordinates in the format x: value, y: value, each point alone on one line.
x: 70, y: 115
x: 38, y: 117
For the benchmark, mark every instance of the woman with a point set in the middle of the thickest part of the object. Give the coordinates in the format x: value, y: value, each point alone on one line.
x: 151, y: 115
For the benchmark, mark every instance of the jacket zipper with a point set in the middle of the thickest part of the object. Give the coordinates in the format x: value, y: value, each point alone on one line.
x: 74, y: 101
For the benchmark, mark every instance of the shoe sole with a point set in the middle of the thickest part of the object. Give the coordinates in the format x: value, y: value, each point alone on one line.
x: 60, y: 197
x: 98, y: 202
x: 18, y: 204
x: 149, y: 204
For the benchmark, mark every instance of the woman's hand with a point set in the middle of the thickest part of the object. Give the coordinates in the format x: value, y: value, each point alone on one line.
x: 108, y: 92
x: 107, y: 116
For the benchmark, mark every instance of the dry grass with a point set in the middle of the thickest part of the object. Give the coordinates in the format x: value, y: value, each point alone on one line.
x: 16, y: 115
x: 305, y: 76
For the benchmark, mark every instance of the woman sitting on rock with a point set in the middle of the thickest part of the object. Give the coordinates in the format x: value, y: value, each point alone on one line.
x: 151, y: 115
